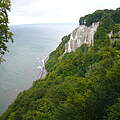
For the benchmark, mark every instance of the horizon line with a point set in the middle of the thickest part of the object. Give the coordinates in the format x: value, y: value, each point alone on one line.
x: 45, y: 23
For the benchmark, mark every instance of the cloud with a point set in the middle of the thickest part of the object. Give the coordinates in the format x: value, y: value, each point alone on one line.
x: 41, y: 11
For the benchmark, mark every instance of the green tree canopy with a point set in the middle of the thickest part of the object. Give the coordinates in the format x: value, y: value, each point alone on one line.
x: 5, y: 34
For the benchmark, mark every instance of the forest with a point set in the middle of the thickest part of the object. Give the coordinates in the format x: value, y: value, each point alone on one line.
x: 81, y: 85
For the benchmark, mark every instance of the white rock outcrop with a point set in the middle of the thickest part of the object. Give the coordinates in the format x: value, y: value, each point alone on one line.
x: 43, y: 71
x: 81, y: 35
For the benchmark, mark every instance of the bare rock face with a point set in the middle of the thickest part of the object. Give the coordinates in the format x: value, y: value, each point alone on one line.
x: 43, y: 71
x: 81, y: 35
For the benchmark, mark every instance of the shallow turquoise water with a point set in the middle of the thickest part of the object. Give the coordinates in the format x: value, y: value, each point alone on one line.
x: 32, y: 44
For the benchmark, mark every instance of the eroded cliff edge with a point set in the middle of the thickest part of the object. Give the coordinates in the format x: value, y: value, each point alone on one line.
x: 81, y: 35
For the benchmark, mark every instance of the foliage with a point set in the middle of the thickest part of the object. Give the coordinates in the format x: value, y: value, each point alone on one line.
x: 113, y: 112
x: 81, y: 85
x: 55, y: 55
x: 97, y: 16
x: 5, y: 34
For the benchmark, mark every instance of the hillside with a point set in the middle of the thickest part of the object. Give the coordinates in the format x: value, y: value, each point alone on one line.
x: 83, y: 82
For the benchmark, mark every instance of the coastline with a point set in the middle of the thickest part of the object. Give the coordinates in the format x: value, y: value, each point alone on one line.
x: 43, y: 71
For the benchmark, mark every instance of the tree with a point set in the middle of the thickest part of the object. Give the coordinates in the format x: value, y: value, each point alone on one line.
x: 5, y: 34
x: 113, y: 112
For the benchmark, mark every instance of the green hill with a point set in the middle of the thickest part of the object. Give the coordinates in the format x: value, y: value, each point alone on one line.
x: 80, y: 85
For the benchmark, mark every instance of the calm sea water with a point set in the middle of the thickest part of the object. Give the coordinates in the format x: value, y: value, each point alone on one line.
x: 32, y: 44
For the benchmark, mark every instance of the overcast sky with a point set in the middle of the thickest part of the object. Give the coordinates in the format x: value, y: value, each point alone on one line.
x: 55, y: 11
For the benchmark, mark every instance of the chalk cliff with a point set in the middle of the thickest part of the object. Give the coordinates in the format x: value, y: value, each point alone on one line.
x: 81, y: 35
x: 43, y: 71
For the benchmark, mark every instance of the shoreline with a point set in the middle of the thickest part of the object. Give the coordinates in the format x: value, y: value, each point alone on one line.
x: 43, y: 71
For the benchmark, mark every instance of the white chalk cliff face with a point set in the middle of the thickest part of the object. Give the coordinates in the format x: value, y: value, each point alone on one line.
x: 81, y: 35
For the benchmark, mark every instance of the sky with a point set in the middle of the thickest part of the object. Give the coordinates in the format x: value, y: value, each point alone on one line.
x: 55, y: 11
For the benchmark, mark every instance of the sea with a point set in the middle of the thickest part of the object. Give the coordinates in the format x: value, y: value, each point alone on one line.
x: 32, y: 43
